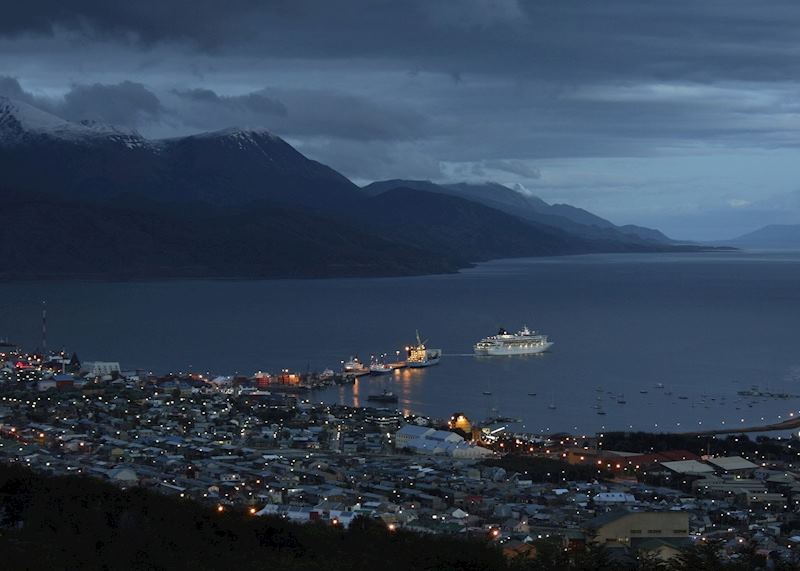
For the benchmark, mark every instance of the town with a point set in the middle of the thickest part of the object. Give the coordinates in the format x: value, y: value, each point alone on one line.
x: 233, y: 443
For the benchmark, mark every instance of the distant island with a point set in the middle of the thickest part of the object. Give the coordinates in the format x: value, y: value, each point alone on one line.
x: 111, y: 204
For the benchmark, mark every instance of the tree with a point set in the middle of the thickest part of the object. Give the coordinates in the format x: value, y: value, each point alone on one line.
x: 702, y: 556
x: 649, y: 561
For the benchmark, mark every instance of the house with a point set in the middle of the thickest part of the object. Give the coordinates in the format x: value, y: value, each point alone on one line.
x: 123, y: 475
x: 613, y: 498
x: 688, y: 467
x: 659, y: 548
x: 732, y: 464
x: 624, y: 528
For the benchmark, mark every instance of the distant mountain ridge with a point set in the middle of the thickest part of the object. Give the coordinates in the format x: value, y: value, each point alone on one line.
x: 91, y: 200
x: 569, y: 218
x: 773, y: 236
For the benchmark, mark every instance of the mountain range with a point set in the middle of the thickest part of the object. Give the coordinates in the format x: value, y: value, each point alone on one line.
x: 83, y: 199
x: 771, y: 237
x: 574, y: 220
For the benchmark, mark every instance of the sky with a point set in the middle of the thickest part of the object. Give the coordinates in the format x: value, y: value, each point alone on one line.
x: 680, y: 115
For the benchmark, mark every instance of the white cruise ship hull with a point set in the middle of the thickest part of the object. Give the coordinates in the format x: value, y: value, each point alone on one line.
x: 513, y: 350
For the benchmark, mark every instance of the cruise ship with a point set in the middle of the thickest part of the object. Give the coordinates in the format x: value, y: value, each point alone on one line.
x: 524, y: 342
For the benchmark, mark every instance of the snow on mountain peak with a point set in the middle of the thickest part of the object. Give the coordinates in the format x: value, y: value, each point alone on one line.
x: 17, y: 117
x: 20, y: 120
x: 106, y: 128
x: 240, y: 134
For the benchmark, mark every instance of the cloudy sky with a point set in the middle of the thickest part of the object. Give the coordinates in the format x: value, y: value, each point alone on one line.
x: 683, y: 115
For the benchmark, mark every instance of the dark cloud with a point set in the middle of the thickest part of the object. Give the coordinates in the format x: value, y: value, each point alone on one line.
x: 10, y: 87
x: 300, y: 112
x: 126, y: 104
x: 258, y: 104
x: 203, y: 22
x: 714, y: 39
x: 548, y: 95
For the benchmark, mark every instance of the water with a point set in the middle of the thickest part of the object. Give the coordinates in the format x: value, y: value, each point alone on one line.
x: 704, y: 325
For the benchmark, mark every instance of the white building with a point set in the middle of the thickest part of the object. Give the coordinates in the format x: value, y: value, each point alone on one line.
x: 100, y: 368
x: 410, y: 432
x: 423, y: 440
x: 613, y: 498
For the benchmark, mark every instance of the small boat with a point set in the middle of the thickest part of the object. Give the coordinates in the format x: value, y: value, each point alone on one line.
x: 295, y: 388
x: 380, y: 369
x: 386, y: 396
x: 327, y: 375
x: 644, y: 392
x: 531, y: 394
x: 354, y: 367
x: 551, y: 406
x: 682, y: 397
x: 487, y: 393
x: 659, y: 385
x: 601, y: 412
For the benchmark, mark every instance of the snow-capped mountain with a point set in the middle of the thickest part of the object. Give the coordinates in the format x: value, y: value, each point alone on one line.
x: 92, y: 160
x: 21, y: 123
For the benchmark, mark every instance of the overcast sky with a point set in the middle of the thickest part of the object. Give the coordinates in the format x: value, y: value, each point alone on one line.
x: 682, y: 114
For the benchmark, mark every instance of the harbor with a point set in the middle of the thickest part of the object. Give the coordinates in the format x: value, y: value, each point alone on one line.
x: 394, y: 383
x: 265, y: 446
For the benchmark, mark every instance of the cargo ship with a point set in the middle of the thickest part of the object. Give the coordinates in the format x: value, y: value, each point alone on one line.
x: 420, y: 356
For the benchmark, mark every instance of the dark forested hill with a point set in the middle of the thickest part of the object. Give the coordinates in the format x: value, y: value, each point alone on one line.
x: 565, y: 217
x: 76, y: 523
x: 461, y: 228
x: 45, y: 237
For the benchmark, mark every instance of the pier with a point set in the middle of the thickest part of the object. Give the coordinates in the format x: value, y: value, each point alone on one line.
x: 788, y: 424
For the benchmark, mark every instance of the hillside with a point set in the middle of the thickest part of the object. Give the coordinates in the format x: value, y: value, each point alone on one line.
x: 459, y: 228
x: 574, y: 220
x: 82, y: 523
x: 774, y: 236
x: 230, y: 167
x: 46, y: 237
x: 113, y: 204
